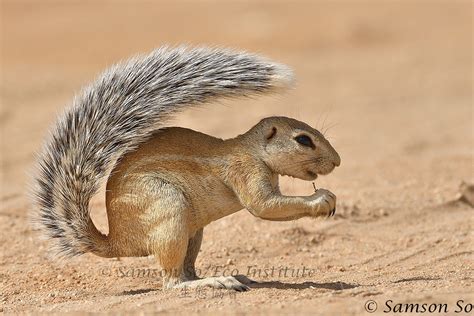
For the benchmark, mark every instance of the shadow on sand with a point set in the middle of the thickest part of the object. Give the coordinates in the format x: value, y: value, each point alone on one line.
x: 338, y: 286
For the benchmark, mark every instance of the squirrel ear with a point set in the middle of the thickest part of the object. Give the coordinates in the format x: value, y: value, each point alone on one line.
x: 271, y: 133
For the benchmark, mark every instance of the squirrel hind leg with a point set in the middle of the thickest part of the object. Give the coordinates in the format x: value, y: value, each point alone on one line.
x: 169, y: 244
x: 194, y: 244
x: 167, y: 235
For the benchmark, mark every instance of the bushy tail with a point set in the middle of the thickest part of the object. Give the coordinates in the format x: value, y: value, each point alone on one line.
x: 116, y: 113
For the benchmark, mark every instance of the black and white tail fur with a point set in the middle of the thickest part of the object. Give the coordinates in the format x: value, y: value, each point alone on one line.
x: 121, y: 109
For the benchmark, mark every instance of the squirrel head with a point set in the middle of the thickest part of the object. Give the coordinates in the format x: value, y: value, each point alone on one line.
x: 293, y: 148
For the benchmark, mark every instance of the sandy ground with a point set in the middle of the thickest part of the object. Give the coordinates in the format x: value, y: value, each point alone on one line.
x: 389, y: 81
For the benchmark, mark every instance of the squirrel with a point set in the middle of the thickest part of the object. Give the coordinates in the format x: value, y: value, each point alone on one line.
x: 166, y: 184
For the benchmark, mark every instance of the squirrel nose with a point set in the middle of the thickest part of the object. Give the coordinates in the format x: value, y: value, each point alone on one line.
x: 337, y: 161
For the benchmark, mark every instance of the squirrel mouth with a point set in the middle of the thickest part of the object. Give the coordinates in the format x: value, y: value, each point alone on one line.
x: 312, y: 174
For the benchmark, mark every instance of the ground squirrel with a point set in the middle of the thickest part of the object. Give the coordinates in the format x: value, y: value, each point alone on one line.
x: 168, y: 183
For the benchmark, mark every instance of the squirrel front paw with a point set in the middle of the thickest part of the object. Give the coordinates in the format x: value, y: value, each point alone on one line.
x: 323, y: 203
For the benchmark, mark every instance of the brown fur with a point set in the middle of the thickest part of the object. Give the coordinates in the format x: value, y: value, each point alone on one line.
x: 161, y: 195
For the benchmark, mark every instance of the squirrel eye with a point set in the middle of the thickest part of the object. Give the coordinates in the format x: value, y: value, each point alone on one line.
x: 305, y: 141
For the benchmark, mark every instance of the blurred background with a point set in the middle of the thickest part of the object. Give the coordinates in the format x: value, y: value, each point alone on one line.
x: 388, y: 82
x: 389, y: 79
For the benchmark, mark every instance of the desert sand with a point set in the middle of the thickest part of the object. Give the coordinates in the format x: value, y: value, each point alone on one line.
x: 388, y: 82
